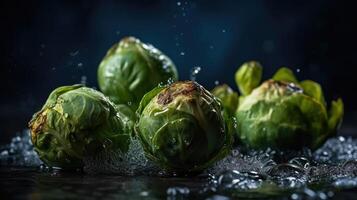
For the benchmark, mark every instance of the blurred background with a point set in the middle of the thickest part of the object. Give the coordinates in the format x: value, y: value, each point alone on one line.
x: 46, y: 44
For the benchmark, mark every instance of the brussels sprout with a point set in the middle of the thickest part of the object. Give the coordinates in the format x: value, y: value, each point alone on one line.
x: 181, y: 127
x: 228, y: 98
x: 131, y: 68
x: 283, y: 113
x: 248, y: 77
x: 229, y: 101
x: 75, y: 122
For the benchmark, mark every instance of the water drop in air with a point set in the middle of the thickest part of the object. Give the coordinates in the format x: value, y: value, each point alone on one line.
x: 193, y: 73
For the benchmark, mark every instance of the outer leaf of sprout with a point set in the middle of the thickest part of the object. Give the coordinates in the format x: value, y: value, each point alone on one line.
x: 285, y: 74
x: 314, y: 90
x: 335, y: 115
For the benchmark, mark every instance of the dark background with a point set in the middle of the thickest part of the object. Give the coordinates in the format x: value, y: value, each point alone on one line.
x: 46, y: 44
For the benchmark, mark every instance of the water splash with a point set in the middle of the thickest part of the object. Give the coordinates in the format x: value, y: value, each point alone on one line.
x: 19, y: 152
x: 243, y: 173
x: 130, y: 163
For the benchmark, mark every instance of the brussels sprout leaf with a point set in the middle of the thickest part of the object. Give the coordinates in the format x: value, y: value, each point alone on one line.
x: 285, y: 74
x: 335, y: 115
x: 313, y: 90
x: 147, y: 98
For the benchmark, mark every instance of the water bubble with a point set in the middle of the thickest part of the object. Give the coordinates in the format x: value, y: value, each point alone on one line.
x: 298, y: 70
x: 80, y: 65
x: 144, y: 194
x: 129, y: 163
x: 177, y: 192
x: 84, y: 80
x: 216, y: 82
x: 178, y: 3
x: 182, y: 53
x: 74, y: 53
x: 224, y: 30
x: 193, y: 72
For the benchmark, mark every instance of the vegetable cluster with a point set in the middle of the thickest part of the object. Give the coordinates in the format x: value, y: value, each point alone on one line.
x: 181, y: 126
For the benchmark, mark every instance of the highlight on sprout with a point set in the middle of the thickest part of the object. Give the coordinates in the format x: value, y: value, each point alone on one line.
x: 132, y: 68
x: 283, y: 112
x: 76, y: 122
x: 181, y: 127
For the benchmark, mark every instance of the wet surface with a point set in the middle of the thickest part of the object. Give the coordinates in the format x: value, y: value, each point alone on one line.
x: 328, y: 173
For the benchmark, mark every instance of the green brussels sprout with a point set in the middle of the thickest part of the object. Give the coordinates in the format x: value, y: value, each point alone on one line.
x: 181, y: 127
x: 228, y: 97
x: 248, y: 77
x: 77, y: 121
x: 131, y: 68
x: 283, y: 113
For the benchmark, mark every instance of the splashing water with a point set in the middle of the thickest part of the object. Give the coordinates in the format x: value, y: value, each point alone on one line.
x: 130, y: 163
x: 243, y: 173
x: 19, y: 152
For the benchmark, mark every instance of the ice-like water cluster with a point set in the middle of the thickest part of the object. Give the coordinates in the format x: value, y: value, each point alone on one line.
x: 19, y: 152
x: 333, y: 165
x: 130, y: 163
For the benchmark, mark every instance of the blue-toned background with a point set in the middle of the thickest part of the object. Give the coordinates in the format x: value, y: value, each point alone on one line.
x: 46, y: 44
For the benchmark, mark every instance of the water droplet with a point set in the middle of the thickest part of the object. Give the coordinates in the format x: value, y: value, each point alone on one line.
x: 80, y: 64
x: 216, y: 82
x: 177, y: 191
x: 194, y: 72
x: 74, y: 53
x: 178, y: 3
x: 298, y: 70
x: 84, y: 80
x: 224, y: 30
x: 182, y: 53
x: 144, y: 193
